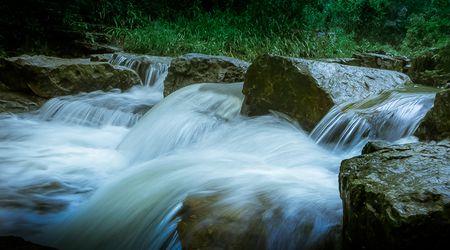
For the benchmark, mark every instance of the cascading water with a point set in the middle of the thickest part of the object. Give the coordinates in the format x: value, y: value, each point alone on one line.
x: 99, y: 184
x: 390, y: 116
x: 114, y: 108
x: 150, y: 68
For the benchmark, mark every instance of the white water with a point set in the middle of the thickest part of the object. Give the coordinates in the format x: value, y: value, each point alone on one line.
x: 113, y: 108
x: 391, y: 116
x: 116, y: 187
x: 150, y: 69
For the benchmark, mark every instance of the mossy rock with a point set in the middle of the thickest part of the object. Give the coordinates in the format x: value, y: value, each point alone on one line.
x: 397, y: 197
x: 306, y: 90
x: 436, y: 124
x: 51, y: 76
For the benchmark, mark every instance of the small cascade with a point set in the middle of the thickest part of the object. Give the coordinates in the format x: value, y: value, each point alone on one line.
x: 391, y: 116
x: 113, y: 108
x: 152, y: 70
x: 181, y: 119
x: 100, y: 108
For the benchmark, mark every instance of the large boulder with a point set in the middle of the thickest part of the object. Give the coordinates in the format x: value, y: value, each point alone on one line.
x: 397, y: 197
x: 199, y: 68
x: 306, y: 90
x: 432, y: 68
x: 50, y: 76
x: 436, y: 124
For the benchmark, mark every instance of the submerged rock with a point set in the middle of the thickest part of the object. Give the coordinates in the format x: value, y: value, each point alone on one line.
x: 199, y: 68
x: 48, y: 77
x: 397, y: 197
x: 14, y: 242
x: 436, y: 124
x: 306, y: 90
x: 209, y: 222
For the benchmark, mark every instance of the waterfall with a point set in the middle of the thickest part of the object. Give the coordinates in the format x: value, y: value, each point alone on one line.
x: 92, y: 171
x: 182, y: 119
x: 195, y: 141
x: 390, y: 116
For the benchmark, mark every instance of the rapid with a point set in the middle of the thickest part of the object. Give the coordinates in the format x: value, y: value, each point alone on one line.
x: 113, y: 170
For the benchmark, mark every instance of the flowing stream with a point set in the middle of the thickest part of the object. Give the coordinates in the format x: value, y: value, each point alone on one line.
x: 91, y: 171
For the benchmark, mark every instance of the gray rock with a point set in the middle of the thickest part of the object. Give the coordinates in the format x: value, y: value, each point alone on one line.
x: 199, y: 68
x: 51, y: 76
x: 397, y: 197
x: 307, y: 89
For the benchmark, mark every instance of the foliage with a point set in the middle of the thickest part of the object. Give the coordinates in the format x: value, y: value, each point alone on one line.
x: 242, y: 28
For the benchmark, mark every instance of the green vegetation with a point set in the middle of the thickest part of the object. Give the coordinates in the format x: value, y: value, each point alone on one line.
x: 246, y: 28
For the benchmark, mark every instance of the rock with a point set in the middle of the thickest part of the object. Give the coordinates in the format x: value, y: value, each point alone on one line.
x: 142, y: 63
x: 383, y: 61
x: 50, y: 76
x: 375, y: 60
x: 199, y: 68
x: 13, y: 242
x: 16, y: 102
x: 432, y: 68
x: 436, y: 124
x: 101, y: 57
x: 397, y: 197
x: 207, y: 222
x: 305, y: 90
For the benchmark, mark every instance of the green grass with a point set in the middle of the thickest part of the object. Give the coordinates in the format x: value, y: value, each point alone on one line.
x: 229, y: 35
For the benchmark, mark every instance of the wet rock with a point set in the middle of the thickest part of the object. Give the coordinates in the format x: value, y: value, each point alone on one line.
x: 209, y: 222
x: 432, y: 68
x: 199, y: 68
x: 383, y: 61
x: 50, y: 76
x: 141, y: 64
x: 436, y: 124
x: 306, y: 89
x: 397, y: 197
x: 101, y: 57
x: 17, y: 243
x: 375, y: 60
x: 16, y: 102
